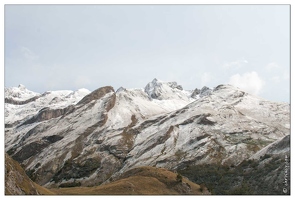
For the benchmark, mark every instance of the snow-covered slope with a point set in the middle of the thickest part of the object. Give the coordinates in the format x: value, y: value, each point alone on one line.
x: 22, y: 103
x: 139, y: 103
x: 20, y: 93
x: 89, y: 138
x: 222, y: 128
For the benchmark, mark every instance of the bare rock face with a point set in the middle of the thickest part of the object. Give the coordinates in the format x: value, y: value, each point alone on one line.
x: 198, y: 93
x: 205, y: 91
x: 47, y: 114
x: 15, y: 102
x: 195, y: 93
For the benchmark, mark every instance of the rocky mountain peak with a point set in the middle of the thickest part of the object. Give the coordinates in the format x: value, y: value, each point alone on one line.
x: 21, y: 87
x: 205, y: 91
x: 155, y: 80
x: 198, y: 93
x: 120, y: 89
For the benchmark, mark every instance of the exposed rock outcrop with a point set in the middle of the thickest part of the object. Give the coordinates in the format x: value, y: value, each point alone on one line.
x: 205, y: 91
x: 47, y: 114
x: 15, y: 102
x: 195, y: 93
x: 96, y: 94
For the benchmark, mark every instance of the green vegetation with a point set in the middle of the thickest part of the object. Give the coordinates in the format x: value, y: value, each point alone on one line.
x: 247, y: 178
x: 76, y: 170
x: 71, y: 184
x: 179, y: 178
x: 179, y: 154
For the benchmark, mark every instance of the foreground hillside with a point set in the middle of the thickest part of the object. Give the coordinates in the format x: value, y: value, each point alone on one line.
x: 142, y: 180
x: 18, y: 183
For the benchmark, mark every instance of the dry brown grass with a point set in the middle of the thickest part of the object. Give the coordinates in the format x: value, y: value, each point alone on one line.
x: 137, y: 181
x: 18, y: 183
x: 43, y: 190
x: 131, y: 185
x: 140, y: 181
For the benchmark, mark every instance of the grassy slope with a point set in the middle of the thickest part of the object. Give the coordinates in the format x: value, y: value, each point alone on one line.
x: 17, y: 182
x: 43, y: 190
x: 142, y: 180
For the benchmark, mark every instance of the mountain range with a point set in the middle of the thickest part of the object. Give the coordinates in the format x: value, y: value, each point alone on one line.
x: 209, y: 135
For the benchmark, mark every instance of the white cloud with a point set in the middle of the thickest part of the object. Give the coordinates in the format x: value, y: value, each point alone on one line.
x: 234, y: 64
x: 249, y: 81
x: 28, y: 54
x: 206, y: 78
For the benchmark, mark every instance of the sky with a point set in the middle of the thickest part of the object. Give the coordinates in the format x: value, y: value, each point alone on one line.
x: 57, y: 47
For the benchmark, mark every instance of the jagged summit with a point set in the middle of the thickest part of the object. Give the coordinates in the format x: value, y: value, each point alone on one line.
x: 157, y: 89
x: 163, y: 90
x: 198, y: 93
x: 156, y: 80
x: 152, y: 88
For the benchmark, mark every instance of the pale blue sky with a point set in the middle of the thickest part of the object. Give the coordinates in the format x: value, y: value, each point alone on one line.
x: 52, y: 47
